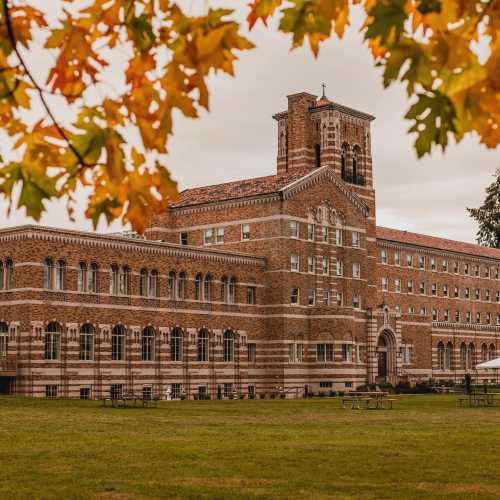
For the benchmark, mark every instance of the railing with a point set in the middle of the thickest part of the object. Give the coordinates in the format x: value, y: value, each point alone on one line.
x: 8, y: 364
x: 359, y: 180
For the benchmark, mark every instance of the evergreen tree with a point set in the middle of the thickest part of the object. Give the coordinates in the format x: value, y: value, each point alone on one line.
x: 488, y: 215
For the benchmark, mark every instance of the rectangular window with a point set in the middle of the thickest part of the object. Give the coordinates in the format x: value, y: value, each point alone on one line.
x: 356, y: 270
x: 294, y: 296
x: 326, y: 297
x: 245, y: 231
x: 115, y: 391
x: 434, y: 315
x: 433, y: 264
x: 487, y: 296
x: 184, y: 238
x: 446, y: 315
x: 356, y: 302
x: 421, y: 262
x: 324, y: 352
x: 467, y: 293
x: 291, y: 353
x: 208, y: 235
x: 347, y: 353
x: 252, y: 353
x: 311, y: 297
x: 477, y: 294
x: 324, y: 234
x: 339, y: 268
x: 84, y: 392
x: 294, y: 263
x: 339, y: 299
x: 147, y: 393
x: 477, y: 270
x: 397, y: 258
x: 422, y: 288
x: 457, y: 316
x: 293, y: 229
x: 310, y: 232
x: 228, y: 390
x: 338, y: 237
x: 456, y: 267
x: 397, y: 285
x: 488, y: 318
x: 445, y: 290
x: 325, y: 385
x: 445, y: 266
x: 385, y: 284
x: 434, y: 289
x: 410, y: 286
x: 299, y: 353
x: 175, y: 390
x: 466, y: 269
x: 497, y: 296
x: 219, y: 235
x: 326, y: 265
x: 456, y: 292
x: 251, y: 295
x: 409, y: 260
x: 311, y: 264
x: 468, y: 316
x: 478, y: 317
x: 383, y: 256
x: 51, y: 391
x: 356, y: 239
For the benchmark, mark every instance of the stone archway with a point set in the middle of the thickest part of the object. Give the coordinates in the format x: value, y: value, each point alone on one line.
x: 386, y: 357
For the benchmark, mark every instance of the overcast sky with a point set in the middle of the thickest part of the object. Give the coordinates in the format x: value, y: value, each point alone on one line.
x: 237, y: 139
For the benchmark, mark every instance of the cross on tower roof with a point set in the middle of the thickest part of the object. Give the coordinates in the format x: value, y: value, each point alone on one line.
x: 324, y: 88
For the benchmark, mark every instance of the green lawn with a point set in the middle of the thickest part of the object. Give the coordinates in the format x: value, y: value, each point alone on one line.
x: 425, y: 448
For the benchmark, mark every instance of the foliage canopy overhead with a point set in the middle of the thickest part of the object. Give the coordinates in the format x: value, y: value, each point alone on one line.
x: 446, y: 52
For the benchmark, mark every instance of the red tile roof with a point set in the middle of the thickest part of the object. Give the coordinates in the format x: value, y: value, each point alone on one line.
x: 236, y: 189
x: 422, y: 240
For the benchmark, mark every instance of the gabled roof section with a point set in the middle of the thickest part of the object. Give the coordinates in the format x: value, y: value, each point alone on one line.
x: 324, y: 173
x: 433, y: 242
x: 245, y: 188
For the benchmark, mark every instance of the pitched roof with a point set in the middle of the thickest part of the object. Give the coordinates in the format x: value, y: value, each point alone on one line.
x: 385, y: 233
x: 236, y: 189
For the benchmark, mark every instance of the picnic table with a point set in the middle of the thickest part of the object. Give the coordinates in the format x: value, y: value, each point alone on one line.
x: 129, y: 399
x: 480, y: 398
x: 369, y: 400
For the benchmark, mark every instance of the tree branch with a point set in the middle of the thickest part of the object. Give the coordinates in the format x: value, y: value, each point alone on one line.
x: 12, y: 38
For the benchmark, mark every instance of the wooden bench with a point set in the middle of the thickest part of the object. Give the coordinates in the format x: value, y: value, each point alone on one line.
x: 390, y: 401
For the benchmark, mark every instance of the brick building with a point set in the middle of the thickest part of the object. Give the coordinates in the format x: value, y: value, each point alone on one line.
x: 266, y: 284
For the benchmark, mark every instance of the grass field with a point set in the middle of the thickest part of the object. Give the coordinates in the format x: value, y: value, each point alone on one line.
x: 425, y: 448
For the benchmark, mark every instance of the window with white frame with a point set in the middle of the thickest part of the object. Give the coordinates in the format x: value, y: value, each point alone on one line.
x: 421, y: 262
x: 324, y: 353
x: 356, y: 239
x: 311, y: 264
x: 457, y: 316
x: 326, y: 297
x: 51, y: 391
x: 293, y: 229
x: 208, y: 235
x: 310, y: 232
x: 291, y: 353
x: 433, y: 263
x: 299, y: 353
x: 356, y: 270
x: 385, y: 284
x: 410, y: 286
x: 294, y: 296
x: 311, y: 297
x: 445, y: 265
x: 340, y: 299
x: 422, y: 288
x: 339, y: 268
x: 456, y: 292
x: 251, y: 292
x: 397, y: 285
x: 409, y: 260
x: 294, y: 263
x: 324, y: 234
x: 446, y: 315
x: 383, y: 256
x: 445, y: 290
x: 326, y: 265
x: 467, y: 293
x: 338, y: 237
x: 252, y: 352
x: 356, y: 301
x: 245, y: 231
x: 434, y: 315
x: 466, y: 268
x: 468, y: 317
x: 434, y: 289
x: 347, y: 353
x: 456, y: 267
x: 397, y: 258
x: 219, y: 235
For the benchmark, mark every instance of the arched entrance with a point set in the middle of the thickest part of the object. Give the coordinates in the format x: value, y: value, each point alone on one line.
x: 386, y: 357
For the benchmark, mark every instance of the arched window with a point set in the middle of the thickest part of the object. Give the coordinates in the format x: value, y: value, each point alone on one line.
x: 228, y: 346
x: 223, y: 289
x: 317, y: 155
x: 440, y: 355
x: 176, y: 345
x: 197, y: 287
x: 172, y: 285
x: 48, y: 274
x: 203, y: 345
x: 181, y: 286
x: 4, y: 340
x: 463, y: 356
x: 343, y: 161
x: 118, y: 343
x: 484, y: 352
x: 52, y: 341
x: 93, y: 277
x: 60, y: 274
x: 153, y: 283
x: 9, y: 274
x: 231, y: 296
x: 113, y: 280
x: 143, y: 282
x: 448, y: 356
x: 471, y: 356
x: 492, y: 352
x: 86, y: 342
x: 81, y: 282
x: 148, y: 338
x: 207, y: 288
x: 124, y: 280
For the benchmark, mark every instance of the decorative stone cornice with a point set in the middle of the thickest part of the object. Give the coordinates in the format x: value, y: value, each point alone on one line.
x: 399, y: 245
x: 465, y: 326
x: 40, y: 233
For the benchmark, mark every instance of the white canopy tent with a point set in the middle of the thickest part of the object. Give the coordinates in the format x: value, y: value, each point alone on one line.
x: 491, y: 364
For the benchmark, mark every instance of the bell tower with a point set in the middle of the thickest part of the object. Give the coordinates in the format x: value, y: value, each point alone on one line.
x: 316, y: 132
